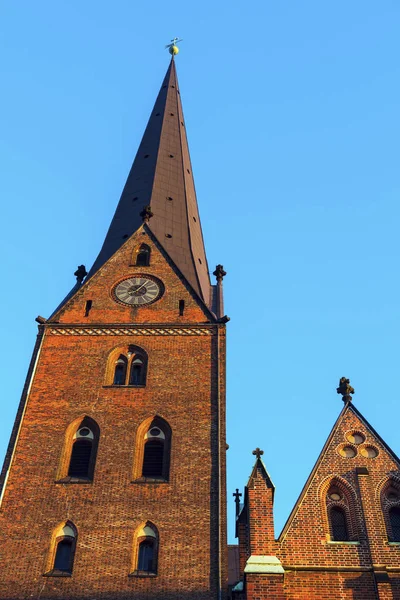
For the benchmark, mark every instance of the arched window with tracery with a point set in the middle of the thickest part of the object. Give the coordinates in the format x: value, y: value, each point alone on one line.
x: 62, y: 551
x: 146, y: 545
x: 390, y: 498
x: 127, y: 367
x: 153, y: 450
x: 143, y: 256
x: 80, y: 450
x: 339, y: 502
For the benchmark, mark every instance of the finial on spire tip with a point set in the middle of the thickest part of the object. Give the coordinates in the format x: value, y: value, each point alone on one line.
x: 173, y: 48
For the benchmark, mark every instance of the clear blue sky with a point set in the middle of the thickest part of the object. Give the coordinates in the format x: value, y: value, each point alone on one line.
x: 292, y: 111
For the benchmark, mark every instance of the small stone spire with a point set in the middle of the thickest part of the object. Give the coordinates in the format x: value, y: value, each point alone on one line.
x: 345, y: 389
x: 237, y: 495
x: 146, y: 214
x: 258, y: 453
x: 219, y: 273
x: 80, y: 273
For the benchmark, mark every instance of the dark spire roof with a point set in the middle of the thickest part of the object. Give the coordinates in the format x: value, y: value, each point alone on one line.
x: 161, y: 177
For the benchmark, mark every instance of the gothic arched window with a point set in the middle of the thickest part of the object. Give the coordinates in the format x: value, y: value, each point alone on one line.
x: 120, y: 370
x: 146, y: 545
x: 153, y: 449
x: 143, y: 256
x: 62, y: 552
x: 128, y: 367
x: 340, y: 510
x: 80, y: 450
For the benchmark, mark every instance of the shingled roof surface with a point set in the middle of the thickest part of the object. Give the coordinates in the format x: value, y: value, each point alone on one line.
x: 161, y: 176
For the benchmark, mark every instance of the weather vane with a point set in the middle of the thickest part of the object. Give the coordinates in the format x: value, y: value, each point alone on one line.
x: 172, y: 47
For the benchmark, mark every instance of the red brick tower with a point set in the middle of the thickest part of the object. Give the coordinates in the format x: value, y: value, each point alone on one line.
x: 113, y: 485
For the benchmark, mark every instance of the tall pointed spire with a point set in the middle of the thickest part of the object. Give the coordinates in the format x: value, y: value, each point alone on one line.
x: 161, y: 178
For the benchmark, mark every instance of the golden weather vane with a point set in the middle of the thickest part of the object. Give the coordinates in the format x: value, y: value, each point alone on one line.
x: 172, y: 47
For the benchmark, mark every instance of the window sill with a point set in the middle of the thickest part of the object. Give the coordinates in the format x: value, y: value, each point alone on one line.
x: 81, y: 480
x: 393, y: 544
x: 123, y: 387
x: 150, y: 480
x: 348, y: 543
x: 142, y: 574
x: 57, y: 573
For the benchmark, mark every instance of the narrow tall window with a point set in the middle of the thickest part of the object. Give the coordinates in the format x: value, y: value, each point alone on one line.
x: 339, y: 525
x: 63, y: 551
x: 143, y: 256
x: 145, y: 551
x: 394, y: 517
x: 120, y: 370
x: 152, y: 451
x: 83, y: 452
x: 138, y: 371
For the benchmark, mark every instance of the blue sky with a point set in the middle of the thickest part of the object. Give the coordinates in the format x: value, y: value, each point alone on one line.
x: 292, y: 116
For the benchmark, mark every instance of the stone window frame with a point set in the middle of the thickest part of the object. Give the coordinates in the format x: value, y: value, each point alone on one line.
x: 140, y: 441
x: 66, y: 453
x: 57, y: 537
x: 139, y: 537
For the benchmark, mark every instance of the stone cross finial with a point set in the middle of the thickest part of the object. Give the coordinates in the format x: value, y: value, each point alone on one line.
x: 146, y: 214
x: 257, y: 452
x: 80, y: 273
x: 219, y: 273
x: 237, y: 496
x: 345, y: 389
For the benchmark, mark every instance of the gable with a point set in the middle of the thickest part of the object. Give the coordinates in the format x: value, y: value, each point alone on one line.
x: 353, y: 450
x: 99, y: 290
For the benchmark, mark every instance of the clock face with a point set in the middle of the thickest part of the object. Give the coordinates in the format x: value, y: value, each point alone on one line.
x: 139, y: 290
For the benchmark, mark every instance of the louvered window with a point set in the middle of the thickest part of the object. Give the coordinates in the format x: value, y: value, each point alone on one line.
x: 80, y: 458
x: 64, y: 555
x: 339, y: 525
x: 153, y: 458
x: 146, y: 556
x: 394, y: 516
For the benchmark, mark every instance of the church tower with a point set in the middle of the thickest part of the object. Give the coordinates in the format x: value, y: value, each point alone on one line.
x: 113, y: 485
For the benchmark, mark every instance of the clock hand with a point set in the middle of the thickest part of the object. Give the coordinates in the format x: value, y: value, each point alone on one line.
x: 139, y: 288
